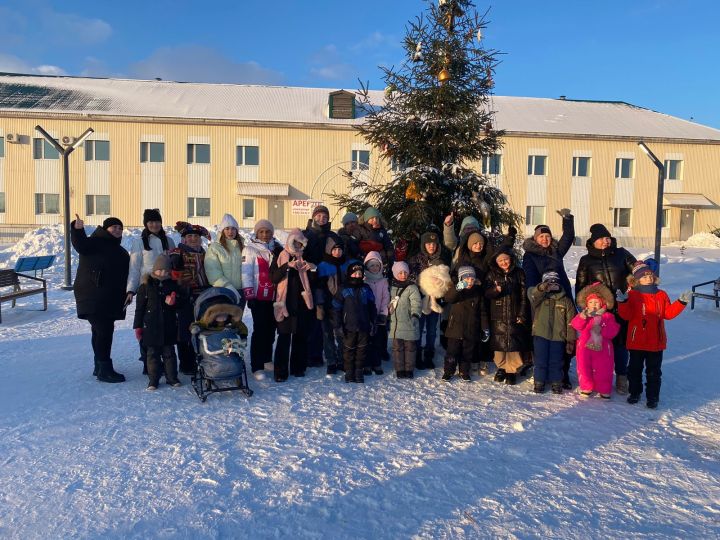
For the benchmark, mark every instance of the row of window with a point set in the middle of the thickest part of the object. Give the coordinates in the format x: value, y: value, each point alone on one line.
x: 622, y: 217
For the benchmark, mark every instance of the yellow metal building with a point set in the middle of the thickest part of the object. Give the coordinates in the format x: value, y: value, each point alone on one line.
x: 197, y: 151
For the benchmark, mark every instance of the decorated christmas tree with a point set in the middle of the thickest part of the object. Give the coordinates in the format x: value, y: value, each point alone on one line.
x: 435, y: 124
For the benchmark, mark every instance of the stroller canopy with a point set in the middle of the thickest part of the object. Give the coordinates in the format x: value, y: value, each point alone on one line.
x: 212, y: 296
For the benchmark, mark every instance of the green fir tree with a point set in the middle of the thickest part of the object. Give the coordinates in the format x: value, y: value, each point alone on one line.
x: 435, y: 121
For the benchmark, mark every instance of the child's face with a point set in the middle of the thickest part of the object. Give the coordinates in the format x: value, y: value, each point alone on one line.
x: 402, y: 275
x: 160, y: 273
x: 264, y: 235
x: 374, y: 266
x: 647, y: 279
x: 357, y: 274
x: 221, y: 318
x: 503, y: 261
x: 477, y: 247
x: 374, y: 222
x: 431, y: 247
x: 469, y: 282
x: 298, y: 246
x: 593, y: 304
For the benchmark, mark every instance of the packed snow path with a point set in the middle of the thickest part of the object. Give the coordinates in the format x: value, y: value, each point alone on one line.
x: 317, y: 458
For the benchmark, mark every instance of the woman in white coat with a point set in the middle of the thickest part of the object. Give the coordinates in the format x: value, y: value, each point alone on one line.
x: 223, y: 260
x: 143, y: 251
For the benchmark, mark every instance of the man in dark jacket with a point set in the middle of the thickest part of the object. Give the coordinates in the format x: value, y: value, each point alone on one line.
x: 611, y: 266
x: 100, y: 288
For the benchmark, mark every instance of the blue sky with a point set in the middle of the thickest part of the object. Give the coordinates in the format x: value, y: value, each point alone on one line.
x: 660, y: 54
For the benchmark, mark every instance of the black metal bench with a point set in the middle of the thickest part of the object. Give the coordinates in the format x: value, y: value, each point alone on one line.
x: 714, y: 297
x: 14, y: 288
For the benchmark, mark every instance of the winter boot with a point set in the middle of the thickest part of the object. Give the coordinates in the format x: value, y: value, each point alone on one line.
x: 419, y: 362
x: 566, y: 384
x: 95, y: 371
x: 605, y: 396
x: 499, y: 375
x: 367, y: 371
x: 378, y: 370
x: 107, y: 374
x: 557, y: 388
x: 428, y: 356
x: 511, y: 378
x: 539, y: 387
x: 652, y: 404
x: 331, y: 369
x: 621, y: 384
x: 409, y: 374
x: 465, y: 377
x: 360, y: 376
x: 633, y: 399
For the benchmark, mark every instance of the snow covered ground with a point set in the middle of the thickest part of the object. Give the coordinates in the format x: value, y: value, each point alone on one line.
x: 316, y: 458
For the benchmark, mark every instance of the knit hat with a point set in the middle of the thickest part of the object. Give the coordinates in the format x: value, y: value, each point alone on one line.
x: 321, y: 209
x: 469, y: 221
x: 550, y: 276
x: 349, y: 218
x: 541, y: 229
x: 109, y: 222
x: 466, y: 272
x: 595, y: 296
x: 228, y: 221
x: 371, y: 213
x: 353, y: 267
x: 331, y: 243
x: 399, y: 266
x: 640, y: 269
x: 264, y: 224
x: 185, y: 228
x: 151, y: 214
x: 475, y: 238
x: 599, y: 231
x: 162, y: 263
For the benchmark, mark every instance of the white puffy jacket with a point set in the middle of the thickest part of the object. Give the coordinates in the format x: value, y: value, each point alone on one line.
x: 254, y: 249
x: 224, y: 266
x: 142, y: 261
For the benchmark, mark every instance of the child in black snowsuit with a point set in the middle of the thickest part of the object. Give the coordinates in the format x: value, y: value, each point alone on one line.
x: 355, y: 312
x: 156, y: 322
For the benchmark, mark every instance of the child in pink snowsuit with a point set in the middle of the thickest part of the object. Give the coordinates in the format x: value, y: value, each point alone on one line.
x: 597, y: 327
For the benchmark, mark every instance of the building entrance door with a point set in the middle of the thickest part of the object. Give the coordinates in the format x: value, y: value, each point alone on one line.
x: 276, y: 213
x: 687, y: 223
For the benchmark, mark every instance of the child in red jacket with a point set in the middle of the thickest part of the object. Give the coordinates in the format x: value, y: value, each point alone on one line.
x: 646, y: 307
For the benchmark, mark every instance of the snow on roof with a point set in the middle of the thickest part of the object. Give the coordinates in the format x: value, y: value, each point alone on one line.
x: 233, y: 102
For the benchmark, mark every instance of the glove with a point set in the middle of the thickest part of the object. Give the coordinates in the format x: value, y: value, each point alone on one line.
x: 570, y: 347
x: 621, y: 296
x: 248, y: 293
x: 170, y: 298
x: 381, y: 320
x: 565, y: 213
x: 176, y: 275
x: 685, y: 297
x: 461, y: 285
x: 138, y: 334
x: 542, y: 287
x: 485, y: 336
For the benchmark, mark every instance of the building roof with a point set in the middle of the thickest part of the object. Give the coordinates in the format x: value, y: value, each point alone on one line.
x: 268, y: 104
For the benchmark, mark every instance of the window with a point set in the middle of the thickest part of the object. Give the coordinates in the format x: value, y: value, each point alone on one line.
x: 536, y: 165
x: 248, y: 208
x: 97, y: 150
x: 47, y: 203
x: 673, y: 169
x: 360, y: 160
x: 97, y: 205
x: 198, y: 153
x: 535, y: 215
x: 247, y: 155
x: 198, y: 207
x: 622, y: 217
x: 492, y: 164
x: 581, y: 166
x: 154, y: 152
x: 624, y: 168
x: 44, y: 150
x: 666, y: 217
x: 2, y: 146
x: 2, y: 202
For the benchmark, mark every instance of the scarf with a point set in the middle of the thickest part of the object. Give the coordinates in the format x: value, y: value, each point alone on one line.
x: 280, y: 306
x: 646, y: 289
x: 146, y: 239
x: 372, y: 277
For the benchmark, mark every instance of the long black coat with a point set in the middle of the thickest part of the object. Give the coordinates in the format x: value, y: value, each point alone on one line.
x: 468, y: 313
x: 505, y: 307
x: 158, y: 320
x: 538, y: 260
x: 101, y: 276
x: 317, y: 237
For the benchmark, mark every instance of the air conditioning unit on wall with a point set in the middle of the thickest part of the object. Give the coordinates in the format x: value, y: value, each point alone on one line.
x: 12, y: 138
x: 67, y: 141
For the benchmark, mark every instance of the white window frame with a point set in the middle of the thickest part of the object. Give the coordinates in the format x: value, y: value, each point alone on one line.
x: 241, y: 155
x: 617, y: 215
x: 254, y: 210
x: 91, y: 150
x: 45, y: 149
x: 2, y: 202
x: 358, y: 164
x: 44, y: 204
x: 530, y: 214
x: 487, y: 160
x: 193, y: 206
x: 146, y: 148
x: 576, y: 167
x: 619, y: 168
x: 665, y: 218
x: 680, y: 167
x: 532, y: 164
x: 2, y: 147
x: 192, y: 154
x: 94, y: 198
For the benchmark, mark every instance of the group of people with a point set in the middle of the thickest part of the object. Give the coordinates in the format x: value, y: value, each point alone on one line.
x: 335, y: 297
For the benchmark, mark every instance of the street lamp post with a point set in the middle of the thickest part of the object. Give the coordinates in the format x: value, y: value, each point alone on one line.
x: 660, y: 192
x: 65, y: 153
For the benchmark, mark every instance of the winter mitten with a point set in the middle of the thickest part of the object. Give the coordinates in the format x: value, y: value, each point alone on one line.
x: 393, y: 304
x: 248, y: 293
x: 621, y: 296
x: 565, y: 213
x: 170, y: 298
x: 460, y: 285
x: 486, y: 336
x: 542, y: 287
x: 685, y: 297
x: 176, y: 275
x: 138, y: 334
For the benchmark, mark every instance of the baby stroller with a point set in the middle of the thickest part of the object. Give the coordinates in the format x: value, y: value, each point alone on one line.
x: 219, y: 338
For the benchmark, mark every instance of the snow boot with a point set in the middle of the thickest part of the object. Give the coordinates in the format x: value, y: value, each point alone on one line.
x: 331, y: 369
x: 499, y: 375
x: 557, y: 388
x: 409, y: 374
x: 465, y: 377
x: 621, y: 385
x: 107, y: 374
x: 428, y: 356
x: 510, y: 378
x: 367, y: 371
x: 652, y: 404
x: 378, y: 370
x: 633, y: 399
x: 95, y: 371
x: 566, y: 384
x: 605, y: 396
x: 539, y: 387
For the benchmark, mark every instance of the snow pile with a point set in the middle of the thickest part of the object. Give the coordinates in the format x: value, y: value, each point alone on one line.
x: 699, y: 240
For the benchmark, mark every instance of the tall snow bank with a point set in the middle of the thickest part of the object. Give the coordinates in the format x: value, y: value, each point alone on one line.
x: 700, y: 240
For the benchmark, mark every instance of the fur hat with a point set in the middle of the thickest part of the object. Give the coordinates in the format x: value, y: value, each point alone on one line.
x: 350, y: 217
x: 371, y: 213
x: 234, y: 315
x: 263, y: 224
x: 465, y: 272
x: 109, y: 222
x: 598, y: 230
x: 331, y: 243
x: 185, y: 228
x: 295, y: 235
x: 640, y: 268
x: 430, y: 280
x: 228, y: 221
x: 162, y: 263
x: 475, y: 237
x: 321, y: 209
x: 596, y: 289
x: 353, y: 267
x: 469, y: 221
x: 399, y: 266
x: 151, y: 214
x: 429, y: 237
x: 541, y: 229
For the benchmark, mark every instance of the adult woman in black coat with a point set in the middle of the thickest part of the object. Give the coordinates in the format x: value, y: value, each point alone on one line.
x: 611, y: 266
x: 100, y: 288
